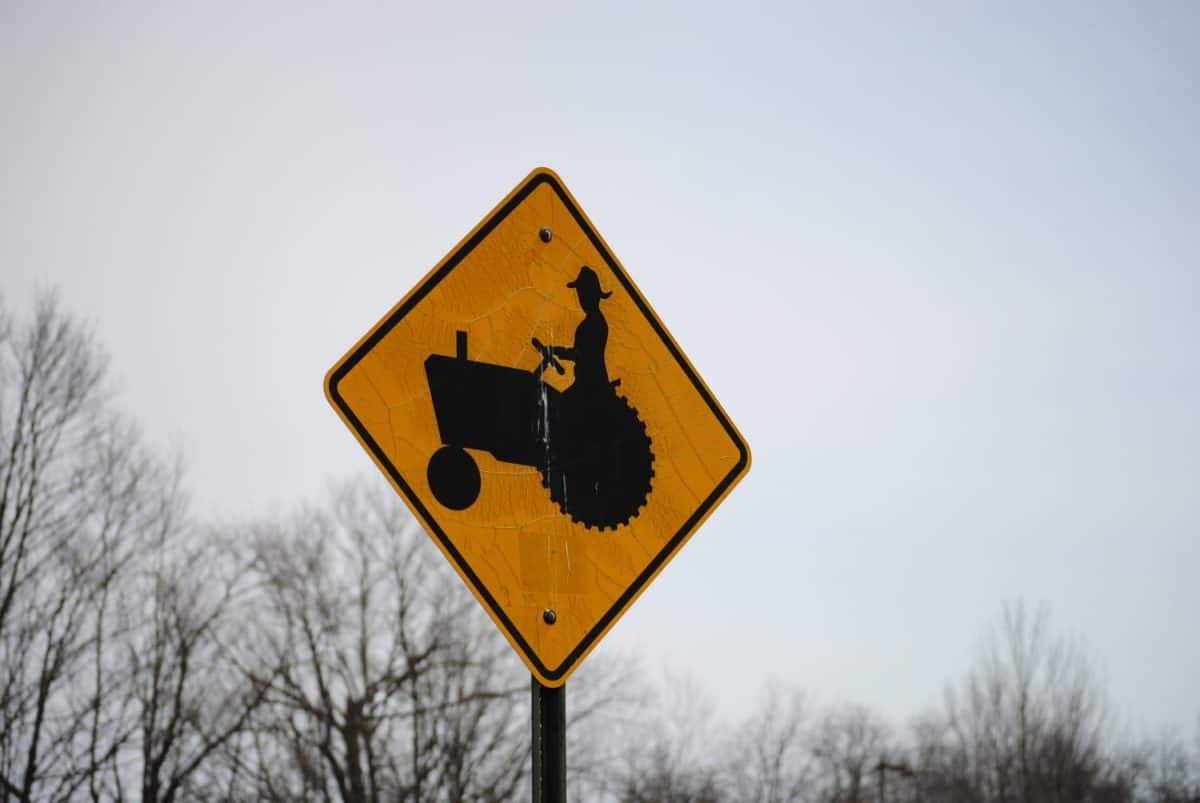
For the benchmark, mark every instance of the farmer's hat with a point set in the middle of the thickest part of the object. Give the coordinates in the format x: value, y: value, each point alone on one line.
x: 588, y: 283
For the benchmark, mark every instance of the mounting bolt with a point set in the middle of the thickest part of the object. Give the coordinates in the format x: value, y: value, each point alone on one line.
x: 548, y: 615
x: 546, y: 235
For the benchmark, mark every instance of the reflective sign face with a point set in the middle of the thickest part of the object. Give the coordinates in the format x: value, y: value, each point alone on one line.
x: 535, y: 414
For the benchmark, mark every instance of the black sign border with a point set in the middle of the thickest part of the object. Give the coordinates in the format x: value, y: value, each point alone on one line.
x: 415, y: 298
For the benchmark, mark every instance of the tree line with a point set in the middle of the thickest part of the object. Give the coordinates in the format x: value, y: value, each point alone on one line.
x: 1029, y: 722
x: 331, y: 655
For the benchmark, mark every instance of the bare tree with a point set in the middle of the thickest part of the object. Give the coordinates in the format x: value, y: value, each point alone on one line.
x: 188, y: 694
x: 672, y: 754
x: 848, y: 744
x: 383, y: 681
x: 79, y: 494
x: 607, y: 705
x: 1026, y: 725
x: 772, y: 757
x: 114, y: 681
x: 1159, y: 770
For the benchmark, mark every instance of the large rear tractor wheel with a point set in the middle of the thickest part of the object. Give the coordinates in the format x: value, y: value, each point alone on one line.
x: 603, y: 476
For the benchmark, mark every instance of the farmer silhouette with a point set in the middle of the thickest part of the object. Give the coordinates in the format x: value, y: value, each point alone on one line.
x: 591, y: 336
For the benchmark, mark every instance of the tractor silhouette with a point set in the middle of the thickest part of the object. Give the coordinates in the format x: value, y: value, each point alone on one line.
x: 587, y: 442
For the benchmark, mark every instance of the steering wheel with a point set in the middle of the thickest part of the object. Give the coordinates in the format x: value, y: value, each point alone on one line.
x: 547, y: 357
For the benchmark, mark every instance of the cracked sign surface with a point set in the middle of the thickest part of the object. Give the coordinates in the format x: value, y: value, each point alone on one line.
x: 534, y: 413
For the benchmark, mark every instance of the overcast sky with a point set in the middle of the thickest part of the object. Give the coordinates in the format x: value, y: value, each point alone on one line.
x: 942, y: 268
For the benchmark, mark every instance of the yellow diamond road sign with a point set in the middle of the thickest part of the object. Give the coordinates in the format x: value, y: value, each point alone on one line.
x: 538, y: 418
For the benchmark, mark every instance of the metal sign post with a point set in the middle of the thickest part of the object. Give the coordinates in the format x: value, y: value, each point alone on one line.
x: 549, y: 711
